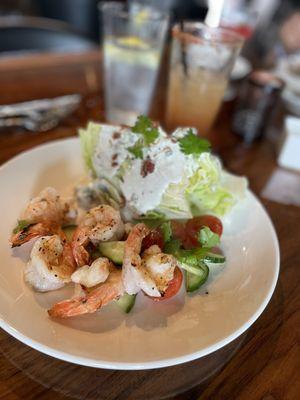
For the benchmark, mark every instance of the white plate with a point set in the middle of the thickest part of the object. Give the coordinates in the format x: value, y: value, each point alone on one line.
x: 153, y: 335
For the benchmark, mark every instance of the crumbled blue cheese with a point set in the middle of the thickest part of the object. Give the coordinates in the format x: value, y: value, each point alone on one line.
x: 111, y: 149
x: 142, y: 182
x: 143, y: 192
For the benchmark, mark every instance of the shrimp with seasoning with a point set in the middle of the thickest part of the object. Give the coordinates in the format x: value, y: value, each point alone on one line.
x: 161, y: 268
x: 92, y: 275
x: 92, y: 300
x: 33, y: 231
x: 135, y: 275
x: 43, y: 216
x: 100, y: 224
x: 51, y: 264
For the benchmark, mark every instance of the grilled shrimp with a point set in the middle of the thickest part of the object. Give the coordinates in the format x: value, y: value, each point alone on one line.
x: 51, y: 264
x: 161, y: 268
x: 94, y: 274
x: 47, y: 207
x: 154, y: 249
x: 31, y: 232
x: 91, y: 301
x: 101, y: 224
x: 43, y: 216
x: 134, y: 272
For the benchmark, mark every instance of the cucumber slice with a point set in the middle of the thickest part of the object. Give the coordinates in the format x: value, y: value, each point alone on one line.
x: 68, y: 231
x: 113, y: 250
x: 126, y: 302
x: 193, y: 269
x: 214, y: 258
x: 193, y: 282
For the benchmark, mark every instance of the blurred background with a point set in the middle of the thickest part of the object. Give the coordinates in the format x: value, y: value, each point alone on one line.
x: 73, y: 24
x: 31, y: 29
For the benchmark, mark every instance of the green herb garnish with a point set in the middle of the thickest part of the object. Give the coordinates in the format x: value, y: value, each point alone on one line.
x: 149, y: 133
x: 137, y: 150
x: 22, y: 224
x: 166, y: 230
x: 172, y: 247
x: 192, y: 144
x: 144, y: 126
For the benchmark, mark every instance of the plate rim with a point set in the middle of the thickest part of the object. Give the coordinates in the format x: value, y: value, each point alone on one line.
x: 96, y: 363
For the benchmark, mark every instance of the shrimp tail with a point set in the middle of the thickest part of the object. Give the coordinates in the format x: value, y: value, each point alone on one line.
x: 73, y: 307
x: 79, y: 241
x: 30, y: 232
x: 68, y: 265
x: 135, y: 238
x: 82, y: 257
x: 90, y: 303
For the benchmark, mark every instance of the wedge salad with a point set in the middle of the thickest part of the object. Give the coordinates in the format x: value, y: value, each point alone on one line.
x: 145, y: 220
x: 146, y: 172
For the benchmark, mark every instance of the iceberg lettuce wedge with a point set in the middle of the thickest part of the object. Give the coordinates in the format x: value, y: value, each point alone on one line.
x: 210, y: 189
x: 88, y: 140
x: 197, y: 185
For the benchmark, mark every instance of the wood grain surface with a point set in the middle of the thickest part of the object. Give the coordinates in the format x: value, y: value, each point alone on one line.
x: 263, y: 364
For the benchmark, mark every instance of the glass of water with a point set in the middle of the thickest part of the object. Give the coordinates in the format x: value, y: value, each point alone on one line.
x: 133, y: 39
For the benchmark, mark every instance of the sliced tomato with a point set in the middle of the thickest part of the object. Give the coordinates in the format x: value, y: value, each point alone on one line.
x: 178, y: 229
x: 179, y: 232
x: 155, y: 236
x: 195, y: 224
x: 211, y: 221
x: 173, y: 287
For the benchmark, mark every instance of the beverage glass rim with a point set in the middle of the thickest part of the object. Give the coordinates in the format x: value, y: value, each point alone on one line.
x: 198, y: 32
x: 118, y: 9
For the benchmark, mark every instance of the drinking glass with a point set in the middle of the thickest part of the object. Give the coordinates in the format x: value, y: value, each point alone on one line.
x: 133, y: 39
x: 201, y: 61
x: 240, y: 19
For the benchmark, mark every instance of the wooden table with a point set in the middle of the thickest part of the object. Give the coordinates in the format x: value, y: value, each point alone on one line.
x: 262, y: 364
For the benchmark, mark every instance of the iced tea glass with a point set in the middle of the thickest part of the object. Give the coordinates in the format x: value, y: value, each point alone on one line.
x: 201, y: 61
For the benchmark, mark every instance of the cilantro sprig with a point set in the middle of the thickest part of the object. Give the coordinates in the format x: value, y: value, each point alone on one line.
x: 173, y: 246
x: 192, y: 144
x: 166, y: 230
x: 194, y: 260
x: 148, y: 134
x: 22, y: 224
x: 144, y: 126
x: 137, y: 150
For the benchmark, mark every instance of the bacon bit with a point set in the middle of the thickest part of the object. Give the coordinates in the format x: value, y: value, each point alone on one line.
x: 114, y: 164
x: 114, y: 157
x: 147, y: 167
x: 116, y: 135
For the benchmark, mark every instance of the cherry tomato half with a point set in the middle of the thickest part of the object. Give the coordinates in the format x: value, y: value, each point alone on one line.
x: 173, y: 287
x: 178, y: 229
x: 179, y: 232
x: 195, y: 224
x: 155, y: 236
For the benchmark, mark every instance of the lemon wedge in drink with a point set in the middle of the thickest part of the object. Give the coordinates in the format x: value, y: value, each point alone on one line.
x: 141, y: 16
x: 131, y: 50
x: 133, y: 42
